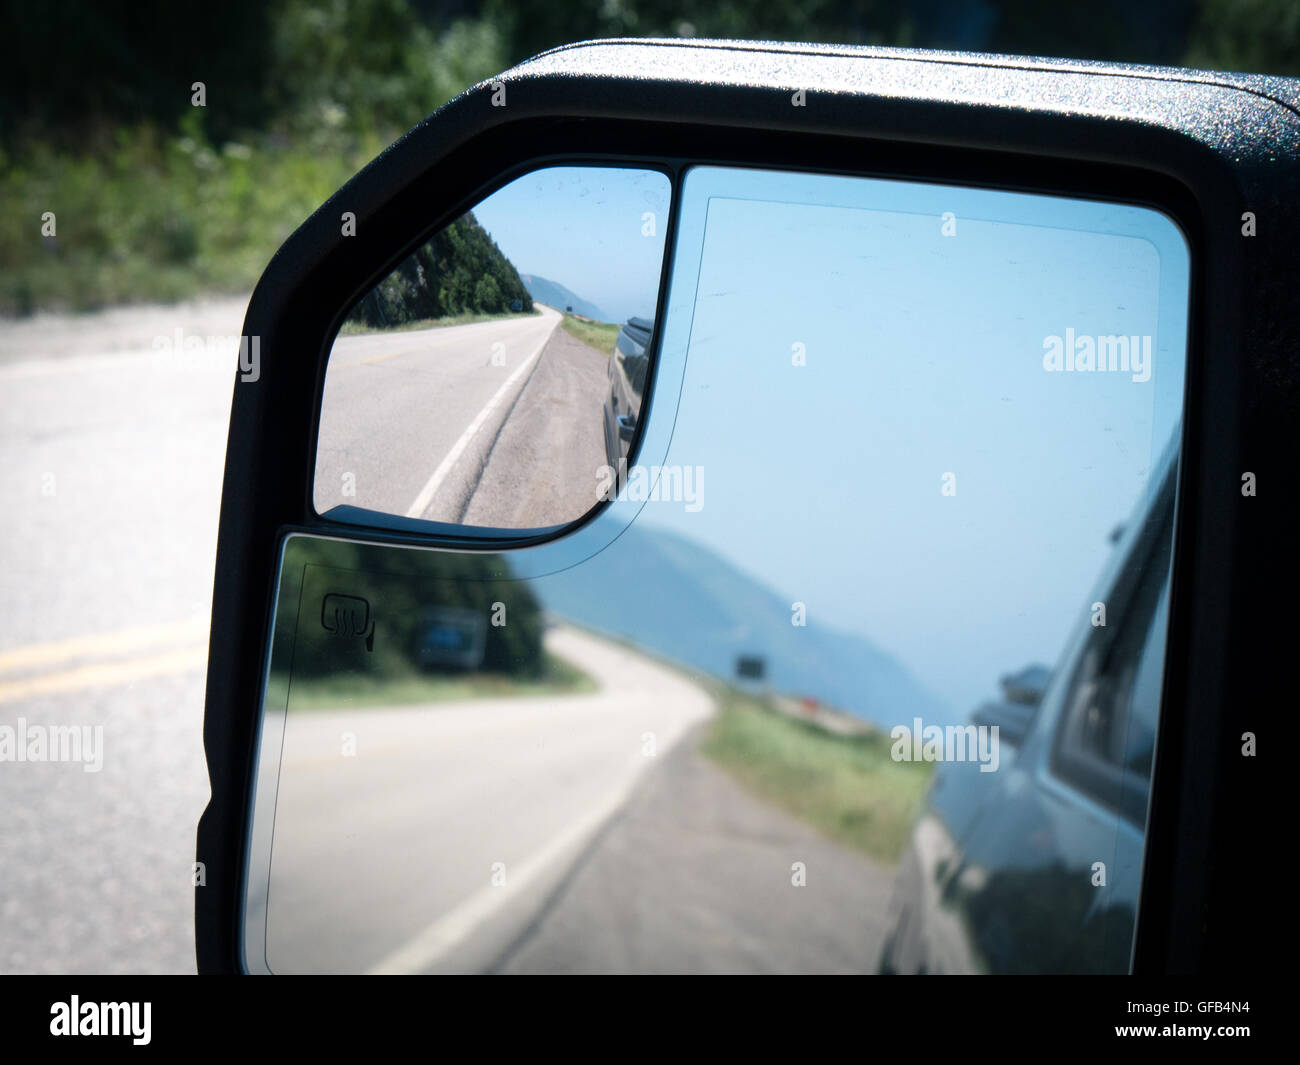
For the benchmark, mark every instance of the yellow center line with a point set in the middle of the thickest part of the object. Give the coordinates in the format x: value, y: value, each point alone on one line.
x: 102, y: 645
x: 103, y: 659
x: 430, y: 345
x: 382, y: 358
x: 107, y: 674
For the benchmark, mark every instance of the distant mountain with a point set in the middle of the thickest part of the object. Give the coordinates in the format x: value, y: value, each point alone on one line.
x: 553, y: 294
x: 680, y: 599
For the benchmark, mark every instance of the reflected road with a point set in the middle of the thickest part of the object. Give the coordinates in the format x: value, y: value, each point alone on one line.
x: 438, y: 802
x: 578, y: 833
x: 408, y: 418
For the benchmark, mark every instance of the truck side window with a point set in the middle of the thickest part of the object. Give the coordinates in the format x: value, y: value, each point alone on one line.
x: 1106, y: 736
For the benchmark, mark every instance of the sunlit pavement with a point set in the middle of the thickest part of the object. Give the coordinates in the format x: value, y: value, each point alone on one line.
x: 408, y: 417
x: 111, y: 457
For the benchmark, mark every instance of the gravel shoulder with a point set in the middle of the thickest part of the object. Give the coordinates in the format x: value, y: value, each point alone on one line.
x: 542, y: 469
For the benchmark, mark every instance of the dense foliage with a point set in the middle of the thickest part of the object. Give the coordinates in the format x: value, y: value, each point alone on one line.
x: 159, y: 192
x: 460, y: 271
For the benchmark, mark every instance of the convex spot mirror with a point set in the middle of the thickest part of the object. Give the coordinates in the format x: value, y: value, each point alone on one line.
x: 494, y: 377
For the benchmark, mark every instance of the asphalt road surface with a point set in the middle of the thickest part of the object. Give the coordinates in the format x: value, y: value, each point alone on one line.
x: 386, y: 859
x: 542, y: 469
x: 409, y: 419
x: 111, y: 456
x: 696, y: 875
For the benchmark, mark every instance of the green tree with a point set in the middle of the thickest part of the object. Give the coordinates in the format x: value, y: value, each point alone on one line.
x: 460, y: 270
x: 487, y: 296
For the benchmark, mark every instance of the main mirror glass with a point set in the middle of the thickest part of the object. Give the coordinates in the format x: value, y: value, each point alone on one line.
x: 860, y: 668
x: 489, y: 379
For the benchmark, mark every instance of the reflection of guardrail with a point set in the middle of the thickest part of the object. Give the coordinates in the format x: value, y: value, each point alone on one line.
x: 451, y: 638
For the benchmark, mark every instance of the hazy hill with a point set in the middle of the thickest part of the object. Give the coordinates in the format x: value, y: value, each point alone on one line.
x: 553, y: 294
x: 684, y: 601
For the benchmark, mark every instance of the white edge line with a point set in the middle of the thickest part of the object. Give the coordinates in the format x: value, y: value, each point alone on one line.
x: 450, y: 930
x: 430, y: 489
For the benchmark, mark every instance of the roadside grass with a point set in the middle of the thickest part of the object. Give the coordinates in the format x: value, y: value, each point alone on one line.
x: 849, y: 788
x: 151, y: 218
x: 352, y: 691
x: 355, y: 329
x: 598, y: 335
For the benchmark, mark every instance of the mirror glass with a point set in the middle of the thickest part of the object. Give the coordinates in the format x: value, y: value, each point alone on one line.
x: 492, y: 375
x: 859, y: 670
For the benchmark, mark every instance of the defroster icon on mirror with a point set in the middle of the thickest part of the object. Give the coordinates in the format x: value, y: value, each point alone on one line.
x: 348, y: 616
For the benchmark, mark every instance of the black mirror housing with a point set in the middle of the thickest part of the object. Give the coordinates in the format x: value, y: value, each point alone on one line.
x: 1206, y: 148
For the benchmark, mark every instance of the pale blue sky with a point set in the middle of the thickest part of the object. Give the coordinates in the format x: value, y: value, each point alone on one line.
x: 924, y: 356
x: 582, y: 227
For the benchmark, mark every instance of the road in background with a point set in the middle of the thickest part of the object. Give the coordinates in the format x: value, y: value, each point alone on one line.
x: 111, y: 456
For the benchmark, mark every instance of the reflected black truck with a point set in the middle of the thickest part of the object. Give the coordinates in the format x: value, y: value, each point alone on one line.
x: 627, y: 376
x: 1036, y: 868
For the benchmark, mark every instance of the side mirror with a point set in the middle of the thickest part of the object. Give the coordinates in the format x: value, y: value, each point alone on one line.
x: 644, y: 360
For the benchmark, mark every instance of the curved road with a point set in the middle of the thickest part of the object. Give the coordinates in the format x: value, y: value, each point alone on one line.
x: 408, y: 418
x: 399, y: 857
